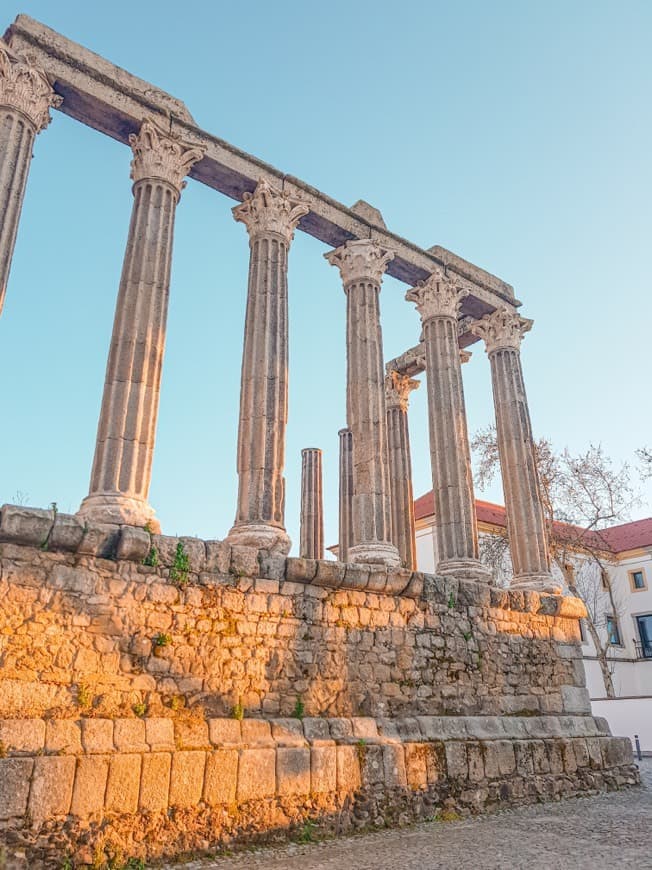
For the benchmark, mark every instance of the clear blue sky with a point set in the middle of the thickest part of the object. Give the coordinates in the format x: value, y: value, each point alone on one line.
x: 516, y: 134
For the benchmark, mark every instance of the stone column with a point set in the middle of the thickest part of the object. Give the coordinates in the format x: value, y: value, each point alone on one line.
x: 124, y: 450
x: 503, y: 331
x: 438, y: 301
x: 271, y: 217
x: 362, y: 264
x: 312, y: 506
x: 346, y: 495
x: 26, y: 98
x: 397, y: 391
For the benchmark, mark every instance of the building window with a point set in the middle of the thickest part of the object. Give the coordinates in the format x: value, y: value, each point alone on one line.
x: 637, y: 580
x: 604, y: 579
x: 582, y: 631
x: 613, y: 632
x: 644, y: 624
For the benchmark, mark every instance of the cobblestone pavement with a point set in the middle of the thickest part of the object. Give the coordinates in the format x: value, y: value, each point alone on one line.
x: 612, y: 830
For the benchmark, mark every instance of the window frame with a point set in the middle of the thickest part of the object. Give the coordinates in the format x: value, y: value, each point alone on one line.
x: 619, y: 635
x: 632, y: 584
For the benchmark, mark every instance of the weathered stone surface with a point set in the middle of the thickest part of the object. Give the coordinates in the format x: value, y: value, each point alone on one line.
x: 293, y: 771
x: 256, y: 773
x: 24, y: 736
x: 129, y: 735
x: 15, y: 776
x: 123, y: 783
x: 51, y: 791
x: 323, y: 769
x: 25, y: 525
x: 97, y: 735
x: 90, y: 785
x: 63, y: 735
x: 159, y: 734
x: 134, y: 544
x: 187, y: 778
x: 225, y: 732
x: 155, y: 781
x: 221, y: 777
x: 312, y: 507
x: 349, y: 777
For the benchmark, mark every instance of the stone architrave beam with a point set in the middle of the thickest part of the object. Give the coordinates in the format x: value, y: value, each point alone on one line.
x: 113, y: 101
x: 122, y: 467
x: 26, y: 97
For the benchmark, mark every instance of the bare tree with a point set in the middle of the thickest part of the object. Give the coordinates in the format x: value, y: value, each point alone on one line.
x: 644, y: 455
x: 581, y: 495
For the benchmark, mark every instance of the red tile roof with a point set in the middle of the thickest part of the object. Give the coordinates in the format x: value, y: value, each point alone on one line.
x: 617, y: 539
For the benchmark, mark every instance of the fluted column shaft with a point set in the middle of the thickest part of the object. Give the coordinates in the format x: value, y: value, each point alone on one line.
x: 362, y: 264
x: 346, y: 495
x: 397, y: 390
x: 503, y: 331
x: 438, y: 300
x: 25, y: 99
x: 122, y: 465
x: 270, y: 217
x: 312, y: 510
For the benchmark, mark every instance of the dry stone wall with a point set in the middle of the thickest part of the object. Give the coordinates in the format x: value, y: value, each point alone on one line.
x: 83, y: 615
x: 147, y: 685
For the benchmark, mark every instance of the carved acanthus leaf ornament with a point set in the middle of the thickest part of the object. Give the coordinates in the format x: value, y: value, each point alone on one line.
x: 438, y: 296
x: 270, y: 210
x: 398, y: 388
x: 502, y: 329
x: 26, y: 88
x: 360, y: 261
x: 158, y: 154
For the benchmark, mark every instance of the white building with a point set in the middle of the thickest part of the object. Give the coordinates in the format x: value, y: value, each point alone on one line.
x: 621, y: 609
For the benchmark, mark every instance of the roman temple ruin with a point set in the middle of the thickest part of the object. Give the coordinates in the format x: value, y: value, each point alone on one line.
x: 161, y: 695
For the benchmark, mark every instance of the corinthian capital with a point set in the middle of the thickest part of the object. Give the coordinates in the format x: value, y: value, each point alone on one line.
x: 437, y: 296
x: 502, y: 329
x: 269, y: 210
x: 398, y: 388
x: 26, y: 88
x: 158, y: 154
x: 360, y: 260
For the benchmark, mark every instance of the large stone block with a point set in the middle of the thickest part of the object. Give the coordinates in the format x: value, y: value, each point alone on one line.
x: 323, y: 769
x: 24, y: 525
x: 129, y: 735
x: 134, y: 544
x: 63, y: 735
x: 97, y: 735
x: 159, y: 734
x: 155, y: 781
x: 394, y: 765
x: 256, y: 732
x: 221, y: 777
x: 187, y: 778
x: 191, y: 734
x: 225, y: 732
x: 15, y: 775
x: 415, y: 765
x: 288, y: 732
x: 90, y: 785
x: 575, y: 699
x: 123, y: 785
x: 349, y: 778
x: 51, y: 791
x: 256, y: 774
x: 292, y: 771
x: 23, y: 735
